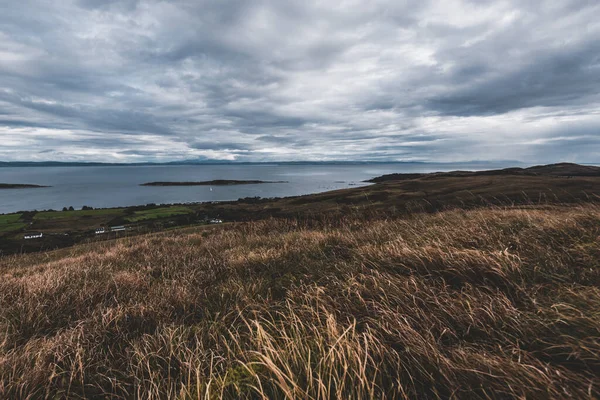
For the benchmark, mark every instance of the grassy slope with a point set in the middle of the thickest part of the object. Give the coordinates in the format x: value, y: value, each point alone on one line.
x: 394, y: 197
x: 423, y: 194
x: 11, y: 222
x: 46, y: 215
x: 487, y: 303
x: 12, y: 226
x: 156, y: 213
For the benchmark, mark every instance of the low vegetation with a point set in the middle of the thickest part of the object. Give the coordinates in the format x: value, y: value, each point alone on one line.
x: 568, y: 170
x: 485, y: 303
x: 10, y: 222
x: 72, y: 214
x: 160, y: 212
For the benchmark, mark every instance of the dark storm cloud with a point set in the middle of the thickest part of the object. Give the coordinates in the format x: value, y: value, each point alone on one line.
x: 97, y: 119
x: 571, y: 77
x: 148, y: 80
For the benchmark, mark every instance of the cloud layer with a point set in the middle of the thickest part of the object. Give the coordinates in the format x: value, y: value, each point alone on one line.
x: 266, y: 80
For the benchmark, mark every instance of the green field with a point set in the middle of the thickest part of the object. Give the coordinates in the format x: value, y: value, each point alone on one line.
x: 9, y: 218
x: 12, y: 227
x: 76, y: 213
x: 161, y: 212
x: 10, y: 222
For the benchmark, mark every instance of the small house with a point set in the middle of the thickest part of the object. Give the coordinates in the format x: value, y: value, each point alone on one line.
x: 215, y: 221
x: 100, y: 231
x: 119, y: 228
x: 37, y: 235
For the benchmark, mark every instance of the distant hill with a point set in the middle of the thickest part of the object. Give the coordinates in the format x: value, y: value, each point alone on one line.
x: 560, y: 169
x: 565, y: 169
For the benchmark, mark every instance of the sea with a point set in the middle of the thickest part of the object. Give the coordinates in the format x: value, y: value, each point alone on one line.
x: 116, y: 186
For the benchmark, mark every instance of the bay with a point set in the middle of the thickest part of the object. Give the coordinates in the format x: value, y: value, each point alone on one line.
x: 115, y: 186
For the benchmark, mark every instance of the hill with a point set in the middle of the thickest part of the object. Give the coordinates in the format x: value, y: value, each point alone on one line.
x: 392, y: 196
x: 486, y: 304
x: 567, y: 170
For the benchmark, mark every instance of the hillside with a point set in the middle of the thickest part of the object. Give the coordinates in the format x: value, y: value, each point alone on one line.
x: 392, y: 196
x: 488, y: 303
x: 566, y: 170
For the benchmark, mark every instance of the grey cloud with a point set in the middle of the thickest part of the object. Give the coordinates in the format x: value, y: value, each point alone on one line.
x: 283, y: 80
x: 549, y: 80
x: 125, y: 5
x: 215, y: 145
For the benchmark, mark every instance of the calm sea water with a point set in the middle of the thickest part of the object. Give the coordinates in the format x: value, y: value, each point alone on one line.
x: 119, y: 185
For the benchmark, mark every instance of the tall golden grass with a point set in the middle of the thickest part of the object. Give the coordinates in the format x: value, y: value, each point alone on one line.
x: 484, y: 304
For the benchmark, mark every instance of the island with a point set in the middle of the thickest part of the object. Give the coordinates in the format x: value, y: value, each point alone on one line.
x: 19, y: 186
x: 216, y: 182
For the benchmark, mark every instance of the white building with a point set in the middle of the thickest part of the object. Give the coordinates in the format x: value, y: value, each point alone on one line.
x: 33, y: 236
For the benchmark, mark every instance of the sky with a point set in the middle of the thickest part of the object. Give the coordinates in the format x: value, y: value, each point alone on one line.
x: 283, y: 80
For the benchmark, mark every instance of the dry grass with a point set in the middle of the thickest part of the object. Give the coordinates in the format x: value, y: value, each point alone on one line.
x: 462, y: 304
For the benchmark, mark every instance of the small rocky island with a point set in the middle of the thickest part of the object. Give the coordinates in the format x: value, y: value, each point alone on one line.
x: 216, y: 182
x: 19, y: 186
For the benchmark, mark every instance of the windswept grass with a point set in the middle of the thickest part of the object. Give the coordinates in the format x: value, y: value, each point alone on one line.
x: 484, y: 304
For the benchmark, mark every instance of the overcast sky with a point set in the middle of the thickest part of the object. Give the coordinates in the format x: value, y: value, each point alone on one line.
x: 450, y: 80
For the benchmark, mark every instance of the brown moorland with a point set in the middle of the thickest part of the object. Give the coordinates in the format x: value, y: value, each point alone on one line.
x: 402, y: 194
x: 487, y: 303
